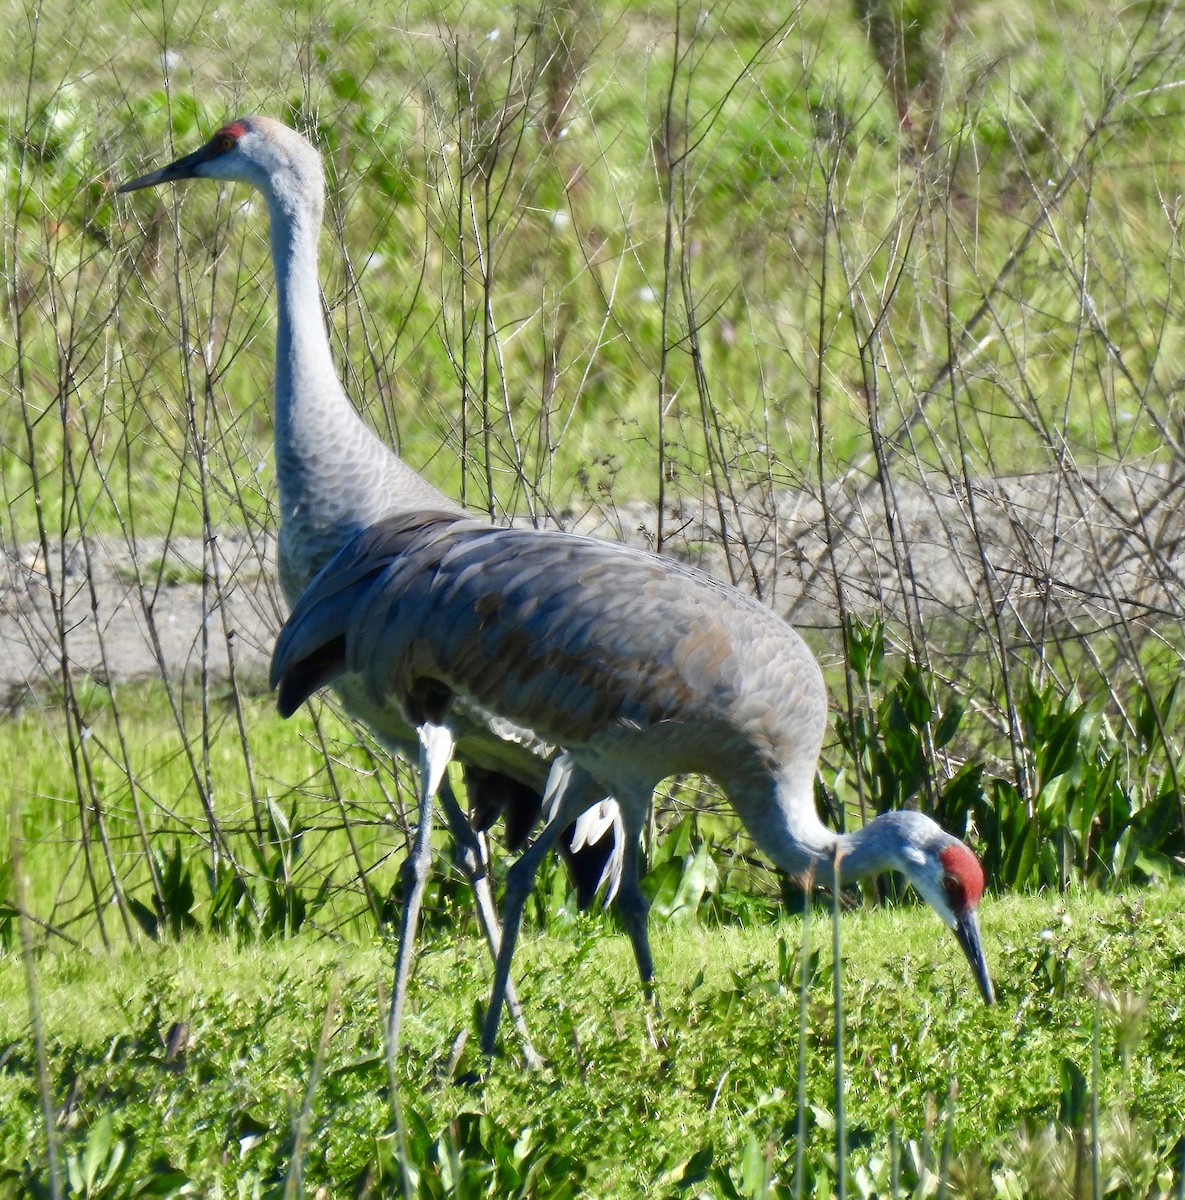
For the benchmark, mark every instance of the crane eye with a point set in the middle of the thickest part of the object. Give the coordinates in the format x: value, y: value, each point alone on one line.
x: 226, y: 142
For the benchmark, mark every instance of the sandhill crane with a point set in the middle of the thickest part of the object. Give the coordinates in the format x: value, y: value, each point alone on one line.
x: 336, y: 478
x: 639, y: 667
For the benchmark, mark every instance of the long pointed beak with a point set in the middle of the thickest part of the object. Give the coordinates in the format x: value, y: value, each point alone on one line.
x: 183, y: 168
x: 967, y: 931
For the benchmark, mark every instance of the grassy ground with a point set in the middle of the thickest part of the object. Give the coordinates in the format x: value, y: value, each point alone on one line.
x: 153, y: 798
x: 1089, y: 1008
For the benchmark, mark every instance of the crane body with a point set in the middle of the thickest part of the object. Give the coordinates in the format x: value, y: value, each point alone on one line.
x: 638, y: 667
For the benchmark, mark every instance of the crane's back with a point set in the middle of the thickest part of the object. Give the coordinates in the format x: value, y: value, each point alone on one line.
x: 589, y: 644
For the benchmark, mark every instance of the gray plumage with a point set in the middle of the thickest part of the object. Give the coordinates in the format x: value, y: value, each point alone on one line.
x: 637, y: 666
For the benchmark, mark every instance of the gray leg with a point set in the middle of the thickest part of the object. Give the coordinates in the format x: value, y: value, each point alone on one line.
x: 634, y: 909
x: 474, y: 863
x: 519, y: 881
x: 569, y: 788
x: 435, y: 751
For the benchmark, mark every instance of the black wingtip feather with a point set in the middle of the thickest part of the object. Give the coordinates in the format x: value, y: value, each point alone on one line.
x: 586, y: 865
x: 492, y: 795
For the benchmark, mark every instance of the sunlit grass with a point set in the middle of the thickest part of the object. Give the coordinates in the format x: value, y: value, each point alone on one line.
x: 159, y: 801
x: 614, y: 1115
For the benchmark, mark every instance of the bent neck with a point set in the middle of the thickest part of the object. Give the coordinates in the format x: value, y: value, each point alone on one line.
x: 868, y: 850
x: 806, y: 848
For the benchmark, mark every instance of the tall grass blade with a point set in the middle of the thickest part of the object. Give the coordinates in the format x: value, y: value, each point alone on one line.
x: 948, y: 1132
x: 1096, y: 1183
x: 394, y: 1095
x: 894, y: 1159
x: 294, y: 1183
x: 48, y: 1109
x: 804, y: 980
x: 841, y: 1125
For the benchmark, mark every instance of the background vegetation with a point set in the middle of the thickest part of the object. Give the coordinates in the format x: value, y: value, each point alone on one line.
x: 873, y: 309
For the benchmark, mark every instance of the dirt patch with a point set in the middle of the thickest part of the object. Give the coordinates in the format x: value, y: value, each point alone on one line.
x: 1053, y: 553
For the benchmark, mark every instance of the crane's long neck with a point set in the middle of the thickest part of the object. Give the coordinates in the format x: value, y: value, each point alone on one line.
x: 307, y: 387
x: 316, y: 426
x: 799, y: 842
x: 335, y: 476
x: 869, y: 850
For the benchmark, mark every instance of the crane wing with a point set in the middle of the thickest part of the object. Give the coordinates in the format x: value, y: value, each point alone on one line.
x: 564, y: 634
x: 312, y: 648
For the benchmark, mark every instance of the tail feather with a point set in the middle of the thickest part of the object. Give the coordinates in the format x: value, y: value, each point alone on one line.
x: 305, y: 676
x: 593, y: 865
x: 597, y: 841
x: 493, y: 794
x: 311, y: 649
x: 337, y: 624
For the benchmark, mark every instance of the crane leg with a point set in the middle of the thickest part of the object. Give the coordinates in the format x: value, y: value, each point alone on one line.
x: 568, y: 787
x: 436, y: 748
x: 474, y: 864
x: 634, y: 909
x: 519, y: 881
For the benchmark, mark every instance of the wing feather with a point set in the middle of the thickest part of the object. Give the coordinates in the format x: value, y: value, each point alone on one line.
x: 561, y: 633
x: 334, y: 625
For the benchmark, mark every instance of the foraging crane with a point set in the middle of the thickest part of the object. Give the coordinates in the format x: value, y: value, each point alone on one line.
x: 639, y: 667
x: 335, y: 479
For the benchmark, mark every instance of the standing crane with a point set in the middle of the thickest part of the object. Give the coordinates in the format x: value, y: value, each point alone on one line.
x: 638, y: 666
x: 335, y: 479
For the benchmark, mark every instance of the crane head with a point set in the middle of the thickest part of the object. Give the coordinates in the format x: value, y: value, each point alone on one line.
x: 203, y: 163
x: 254, y: 150
x: 949, y: 878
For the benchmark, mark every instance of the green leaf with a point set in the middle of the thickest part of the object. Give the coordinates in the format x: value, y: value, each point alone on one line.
x: 697, y: 1167
x: 145, y: 918
x: 165, y: 1181
x: 948, y: 725
x: 1019, y: 860
x: 662, y: 883
x: 754, y: 1168
x: 1074, y: 1101
x: 97, y: 1151
x: 699, y: 875
x: 279, y: 819
x: 866, y: 649
x: 74, y: 1173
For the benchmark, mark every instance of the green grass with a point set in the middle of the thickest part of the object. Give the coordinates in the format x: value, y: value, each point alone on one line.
x: 309, y: 814
x: 614, y: 1115
x: 153, y: 796
x: 1008, y: 1088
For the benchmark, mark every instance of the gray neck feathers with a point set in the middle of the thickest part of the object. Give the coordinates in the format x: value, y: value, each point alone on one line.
x: 335, y: 476
x: 804, y: 847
